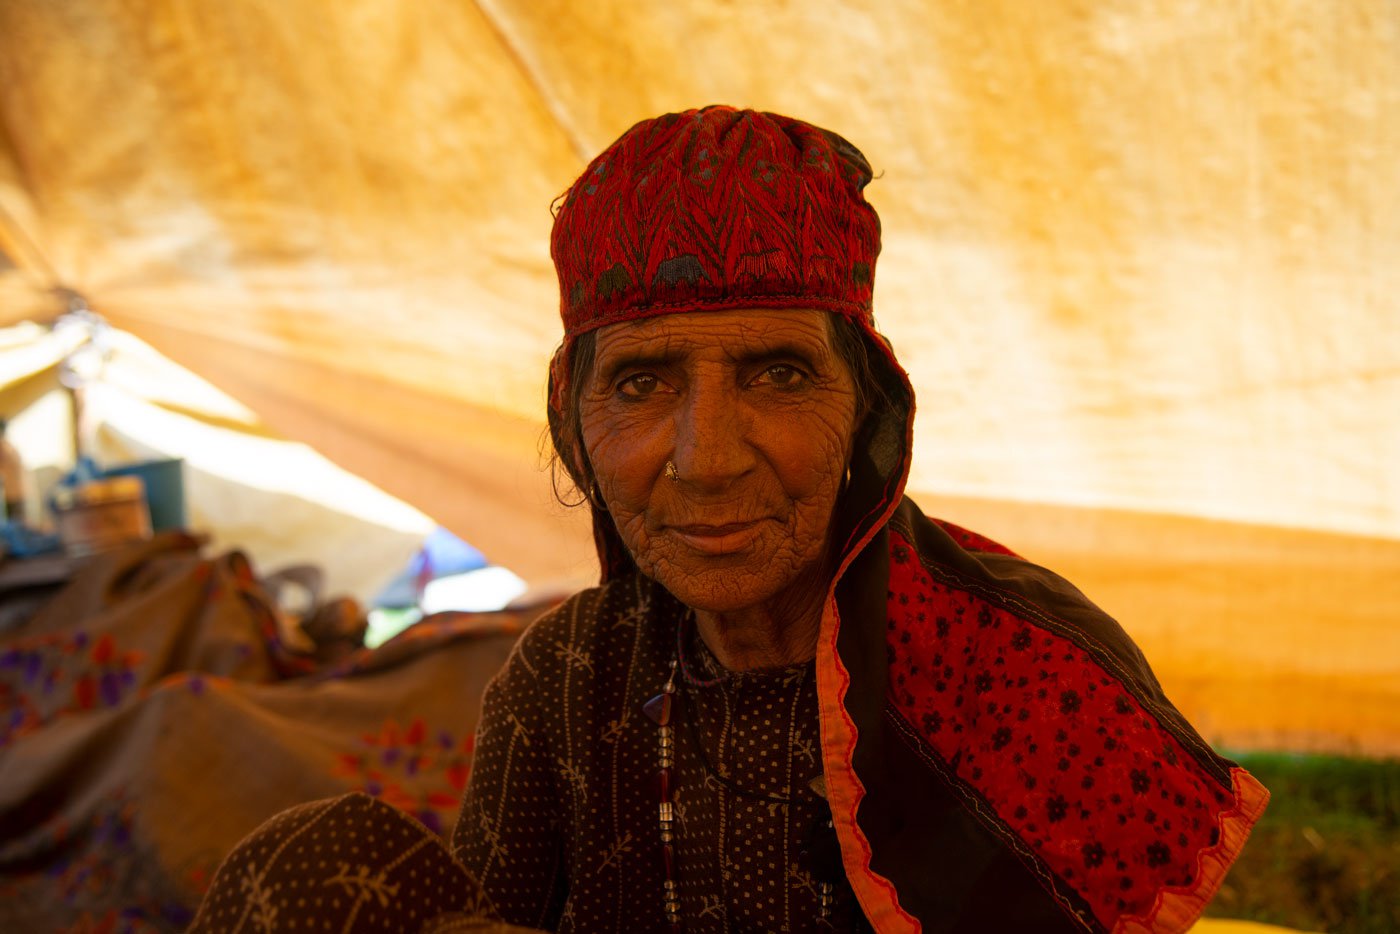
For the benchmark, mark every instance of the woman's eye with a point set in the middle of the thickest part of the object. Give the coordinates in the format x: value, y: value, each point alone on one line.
x: 640, y: 384
x: 782, y: 376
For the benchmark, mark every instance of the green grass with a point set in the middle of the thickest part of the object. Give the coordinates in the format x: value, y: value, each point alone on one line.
x: 1326, y: 854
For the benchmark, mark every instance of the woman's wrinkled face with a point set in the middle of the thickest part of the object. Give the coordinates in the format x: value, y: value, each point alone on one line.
x: 757, y: 411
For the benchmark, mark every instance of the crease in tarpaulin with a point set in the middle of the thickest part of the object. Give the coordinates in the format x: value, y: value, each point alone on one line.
x: 517, y: 53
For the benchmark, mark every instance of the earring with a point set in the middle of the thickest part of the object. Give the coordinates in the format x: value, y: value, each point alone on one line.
x: 672, y: 473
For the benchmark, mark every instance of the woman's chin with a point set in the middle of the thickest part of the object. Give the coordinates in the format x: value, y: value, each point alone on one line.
x: 718, y: 586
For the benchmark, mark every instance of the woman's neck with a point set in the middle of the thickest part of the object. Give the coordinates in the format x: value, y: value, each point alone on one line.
x: 766, y: 636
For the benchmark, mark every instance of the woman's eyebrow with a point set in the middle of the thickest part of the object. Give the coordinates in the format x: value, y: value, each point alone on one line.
x: 780, y: 350
x: 611, y: 365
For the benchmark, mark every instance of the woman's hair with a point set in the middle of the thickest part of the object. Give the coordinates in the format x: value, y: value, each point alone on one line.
x: 566, y: 429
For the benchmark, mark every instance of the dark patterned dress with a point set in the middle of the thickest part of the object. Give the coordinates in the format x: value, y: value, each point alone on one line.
x: 560, y: 818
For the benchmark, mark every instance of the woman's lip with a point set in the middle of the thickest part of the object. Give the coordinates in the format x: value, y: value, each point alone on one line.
x: 718, y: 539
x: 712, y: 530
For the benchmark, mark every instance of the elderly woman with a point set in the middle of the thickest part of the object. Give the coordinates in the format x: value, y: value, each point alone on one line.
x: 795, y: 702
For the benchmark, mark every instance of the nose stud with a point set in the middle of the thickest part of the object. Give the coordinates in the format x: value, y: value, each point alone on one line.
x: 672, y: 473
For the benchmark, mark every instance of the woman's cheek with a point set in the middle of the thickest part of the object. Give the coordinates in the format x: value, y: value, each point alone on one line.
x: 815, y: 452
x: 620, y: 450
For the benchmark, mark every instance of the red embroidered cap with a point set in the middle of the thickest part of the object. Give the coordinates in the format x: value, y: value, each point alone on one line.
x: 712, y: 209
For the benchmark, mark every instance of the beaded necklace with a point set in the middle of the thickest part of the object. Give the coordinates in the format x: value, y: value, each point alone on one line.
x: 821, y: 846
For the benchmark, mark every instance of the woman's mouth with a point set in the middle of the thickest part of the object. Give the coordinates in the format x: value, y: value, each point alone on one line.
x: 723, y: 539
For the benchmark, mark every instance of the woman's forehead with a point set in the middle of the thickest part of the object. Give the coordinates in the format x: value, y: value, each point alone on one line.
x: 736, y: 332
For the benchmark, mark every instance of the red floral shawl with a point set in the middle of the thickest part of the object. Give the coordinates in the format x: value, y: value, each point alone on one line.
x: 999, y: 755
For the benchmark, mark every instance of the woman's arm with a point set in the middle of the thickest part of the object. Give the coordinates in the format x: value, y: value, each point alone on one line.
x: 511, y: 830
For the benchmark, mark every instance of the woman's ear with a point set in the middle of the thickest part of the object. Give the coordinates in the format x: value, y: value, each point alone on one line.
x: 579, y: 467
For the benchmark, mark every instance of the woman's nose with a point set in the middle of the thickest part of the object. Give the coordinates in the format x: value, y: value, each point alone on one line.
x: 712, y: 446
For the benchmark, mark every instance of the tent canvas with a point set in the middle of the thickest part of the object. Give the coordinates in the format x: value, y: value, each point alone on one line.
x: 1139, y: 261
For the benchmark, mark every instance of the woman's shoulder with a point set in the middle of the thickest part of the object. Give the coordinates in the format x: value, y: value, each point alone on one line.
x: 582, y: 632
x: 987, y: 577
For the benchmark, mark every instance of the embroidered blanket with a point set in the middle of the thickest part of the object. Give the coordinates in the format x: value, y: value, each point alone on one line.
x: 152, y: 717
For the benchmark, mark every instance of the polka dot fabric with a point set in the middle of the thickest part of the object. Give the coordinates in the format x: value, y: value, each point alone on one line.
x: 1059, y: 746
x: 349, y: 865
x: 759, y: 731
x: 560, y: 818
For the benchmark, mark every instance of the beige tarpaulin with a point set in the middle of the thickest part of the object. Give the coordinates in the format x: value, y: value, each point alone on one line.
x: 1142, y: 260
